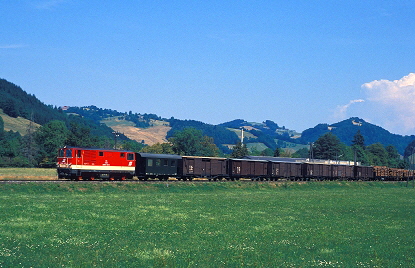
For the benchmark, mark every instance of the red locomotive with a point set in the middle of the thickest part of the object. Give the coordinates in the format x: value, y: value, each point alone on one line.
x: 89, y: 164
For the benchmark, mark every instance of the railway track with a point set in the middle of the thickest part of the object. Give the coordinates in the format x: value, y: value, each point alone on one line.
x: 115, y: 181
x: 197, y: 180
x: 173, y: 181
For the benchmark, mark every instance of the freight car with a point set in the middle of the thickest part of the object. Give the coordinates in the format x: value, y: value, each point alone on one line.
x: 203, y: 167
x: 77, y: 163
x: 157, y: 166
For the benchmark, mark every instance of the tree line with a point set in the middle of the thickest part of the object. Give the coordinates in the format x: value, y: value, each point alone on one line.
x: 329, y: 146
x: 191, y: 141
x: 39, y: 146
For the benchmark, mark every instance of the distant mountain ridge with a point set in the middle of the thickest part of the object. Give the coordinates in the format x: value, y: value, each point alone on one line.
x: 346, y: 129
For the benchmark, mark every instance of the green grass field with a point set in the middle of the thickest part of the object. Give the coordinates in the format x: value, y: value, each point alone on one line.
x: 228, y: 224
x: 28, y: 174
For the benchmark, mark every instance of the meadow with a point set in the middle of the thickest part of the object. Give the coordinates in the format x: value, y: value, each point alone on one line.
x: 227, y: 224
x: 28, y: 174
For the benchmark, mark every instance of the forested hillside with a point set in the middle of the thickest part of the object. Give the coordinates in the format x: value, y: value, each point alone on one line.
x: 16, y: 102
x: 346, y: 129
x: 38, y: 145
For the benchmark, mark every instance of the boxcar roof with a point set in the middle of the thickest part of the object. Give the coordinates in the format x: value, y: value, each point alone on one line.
x: 170, y: 156
x: 248, y: 159
x: 275, y: 159
x: 204, y: 157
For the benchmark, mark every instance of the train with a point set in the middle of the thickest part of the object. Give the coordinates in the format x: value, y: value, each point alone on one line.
x: 78, y: 163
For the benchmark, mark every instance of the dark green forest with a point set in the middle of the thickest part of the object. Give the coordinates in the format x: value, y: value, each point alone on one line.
x: 346, y: 129
x: 39, y: 146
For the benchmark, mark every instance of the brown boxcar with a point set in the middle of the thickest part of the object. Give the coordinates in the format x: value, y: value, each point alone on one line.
x: 316, y: 171
x: 342, y: 172
x: 203, y: 167
x: 285, y: 170
x: 363, y: 173
x: 245, y: 168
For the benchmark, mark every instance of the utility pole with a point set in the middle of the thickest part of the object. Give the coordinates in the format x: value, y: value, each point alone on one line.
x: 311, y: 152
x: 116, y: 134
x: 242, y: 135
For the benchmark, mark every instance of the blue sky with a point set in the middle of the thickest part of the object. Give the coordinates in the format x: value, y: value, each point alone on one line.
x: 298, y: 63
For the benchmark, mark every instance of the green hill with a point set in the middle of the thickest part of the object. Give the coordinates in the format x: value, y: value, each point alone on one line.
x: 31, y: 131
x: 346, y: 129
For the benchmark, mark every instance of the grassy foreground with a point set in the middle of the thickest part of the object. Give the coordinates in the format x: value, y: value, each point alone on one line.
x: 333, y: 224
x: 28, y: 174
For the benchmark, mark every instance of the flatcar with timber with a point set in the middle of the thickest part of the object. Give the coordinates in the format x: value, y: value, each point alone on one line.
x: 78, y: 163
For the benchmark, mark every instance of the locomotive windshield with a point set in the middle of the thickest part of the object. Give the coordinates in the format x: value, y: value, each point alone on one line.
x: 68, y: 153
x: 65, y: 153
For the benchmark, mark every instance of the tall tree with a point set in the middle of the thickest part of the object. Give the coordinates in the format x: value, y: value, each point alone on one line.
x: 393, y: 157
x: 132, y: 146
x: 190, y: 141
x: 1, y: 128
x: 10, y: 147
x: 277, y: 152
x: 328, y: 146
x: 377, y: 154
x: 302, y: 153
x: 209, y: 147
x: 158, y: 148
x: 80, y: 135
x: 50, y: 137
x: 358, y: 139
x: 267, y: 152
x: 240, y: 150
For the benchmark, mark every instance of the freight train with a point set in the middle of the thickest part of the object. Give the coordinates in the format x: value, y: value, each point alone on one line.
x: 77, y: 163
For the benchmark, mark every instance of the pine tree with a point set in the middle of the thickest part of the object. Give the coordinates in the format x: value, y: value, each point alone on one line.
x: 358, y: 139
x: 277, y: 152
x: 240, y: 150
x: 328, y: 146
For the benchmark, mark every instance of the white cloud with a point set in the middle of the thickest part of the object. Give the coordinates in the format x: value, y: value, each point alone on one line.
x: 341, y: 110
x: 395, y: 100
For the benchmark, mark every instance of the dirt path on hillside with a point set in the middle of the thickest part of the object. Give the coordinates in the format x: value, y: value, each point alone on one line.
x: 150, y: 135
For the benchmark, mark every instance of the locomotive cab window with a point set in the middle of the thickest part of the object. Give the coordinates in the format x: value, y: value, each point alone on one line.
x: 101, y: 153
x: 68, y: 153
x: 79, y: 153
x: 122, y: 155
x: 61, y: 153
x: 130, y: 156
